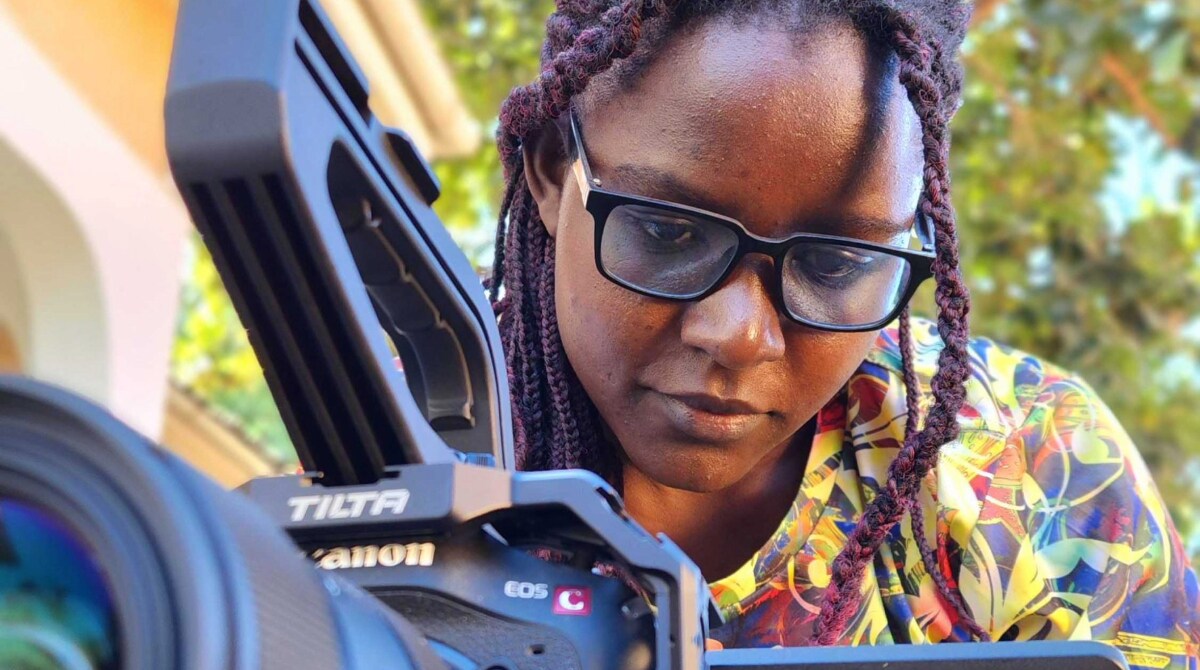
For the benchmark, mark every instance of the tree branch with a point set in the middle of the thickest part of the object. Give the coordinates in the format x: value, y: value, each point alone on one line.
x: 1022, y: 124
x: 1132, y: 87
x: 984, y: 10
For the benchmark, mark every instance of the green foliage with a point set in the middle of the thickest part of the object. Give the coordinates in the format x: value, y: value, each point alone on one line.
x: 1075, y: 183
x: 213, y: 358
x: 492, y: 46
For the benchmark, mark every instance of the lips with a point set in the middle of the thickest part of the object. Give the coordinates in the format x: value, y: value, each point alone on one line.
x: 715, y: 405
x: 706, y: 418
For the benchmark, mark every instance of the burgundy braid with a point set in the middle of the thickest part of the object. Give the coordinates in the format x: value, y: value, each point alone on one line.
x: 920, y: 450
x: 556, y: 423
x: 912, y: 395
x: 493, y: 283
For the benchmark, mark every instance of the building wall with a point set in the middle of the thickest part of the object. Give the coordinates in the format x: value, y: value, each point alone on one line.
x: 193, y: 432
x: 13, y: 310
x: 115, y: 54
x: 10, y: 356
x: 53, y: 302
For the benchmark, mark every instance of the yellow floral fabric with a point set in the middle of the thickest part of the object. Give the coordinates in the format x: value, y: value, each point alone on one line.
x: 1045, y: 517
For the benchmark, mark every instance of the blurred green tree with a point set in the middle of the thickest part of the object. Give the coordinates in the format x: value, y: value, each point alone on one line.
x: 1076, y: 181
x: 212, y: 357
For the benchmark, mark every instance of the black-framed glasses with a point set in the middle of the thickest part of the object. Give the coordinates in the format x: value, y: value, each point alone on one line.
x: 676, y: 252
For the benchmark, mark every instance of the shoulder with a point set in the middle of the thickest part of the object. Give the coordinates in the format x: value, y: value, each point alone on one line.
x: 1006, y: 387
x: 1044, y: 485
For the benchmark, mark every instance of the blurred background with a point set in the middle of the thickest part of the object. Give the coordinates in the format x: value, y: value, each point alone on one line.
x: 1076, y: 162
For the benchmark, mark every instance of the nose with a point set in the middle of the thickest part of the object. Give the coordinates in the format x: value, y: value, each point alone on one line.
x: 738, y: 325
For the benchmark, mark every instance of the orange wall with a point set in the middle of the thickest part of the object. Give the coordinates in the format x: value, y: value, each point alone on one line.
x: 10, y: 362
x: 115, y: 53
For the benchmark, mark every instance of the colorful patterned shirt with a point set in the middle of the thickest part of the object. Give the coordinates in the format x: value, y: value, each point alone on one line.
x: 1047, y: 520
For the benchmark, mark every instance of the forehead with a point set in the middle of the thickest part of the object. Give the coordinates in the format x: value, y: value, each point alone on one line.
x: 772, y: 127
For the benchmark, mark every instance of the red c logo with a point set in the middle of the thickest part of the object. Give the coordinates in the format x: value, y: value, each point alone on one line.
x: 573, y: 600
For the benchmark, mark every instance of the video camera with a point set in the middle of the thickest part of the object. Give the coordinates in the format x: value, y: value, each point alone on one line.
x: 429, y: 548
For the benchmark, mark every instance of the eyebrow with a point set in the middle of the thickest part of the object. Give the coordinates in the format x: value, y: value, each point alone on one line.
x: 662, y: 185
x: 865, y: 227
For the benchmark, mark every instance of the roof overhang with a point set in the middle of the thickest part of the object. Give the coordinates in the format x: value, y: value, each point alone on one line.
x: 411, y: 86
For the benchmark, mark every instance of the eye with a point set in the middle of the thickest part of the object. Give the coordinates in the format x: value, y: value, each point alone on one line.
x: 674, y: 232
x: 832, y: 265
x: 841, y: 263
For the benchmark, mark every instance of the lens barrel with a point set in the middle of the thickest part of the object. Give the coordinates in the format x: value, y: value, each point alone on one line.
x: 187, y: 575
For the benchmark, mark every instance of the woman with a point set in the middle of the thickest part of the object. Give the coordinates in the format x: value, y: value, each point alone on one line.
x: 715, y: 215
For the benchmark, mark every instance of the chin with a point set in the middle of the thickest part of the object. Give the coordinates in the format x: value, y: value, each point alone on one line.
x: 699, y: 469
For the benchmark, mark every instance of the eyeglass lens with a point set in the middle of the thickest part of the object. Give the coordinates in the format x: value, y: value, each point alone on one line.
x: 674, y: 255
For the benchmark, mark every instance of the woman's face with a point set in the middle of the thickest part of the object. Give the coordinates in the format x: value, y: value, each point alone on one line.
x: 785, y: 134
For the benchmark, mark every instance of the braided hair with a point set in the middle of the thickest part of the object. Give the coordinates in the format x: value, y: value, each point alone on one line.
x: 557, y: 425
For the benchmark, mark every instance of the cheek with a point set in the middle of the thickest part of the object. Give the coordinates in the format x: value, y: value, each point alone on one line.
x: 608, y: 332
x: 819, y: 364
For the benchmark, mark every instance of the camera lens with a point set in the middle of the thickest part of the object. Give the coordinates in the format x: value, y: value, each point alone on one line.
x: 114, y: 554
x: 56, y: 607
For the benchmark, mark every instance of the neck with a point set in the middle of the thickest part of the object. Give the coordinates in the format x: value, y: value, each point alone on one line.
x: 721, y: 530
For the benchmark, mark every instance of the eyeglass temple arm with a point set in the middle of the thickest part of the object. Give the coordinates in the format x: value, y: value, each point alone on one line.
x: 581, y: 168
x: 925, y: 231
